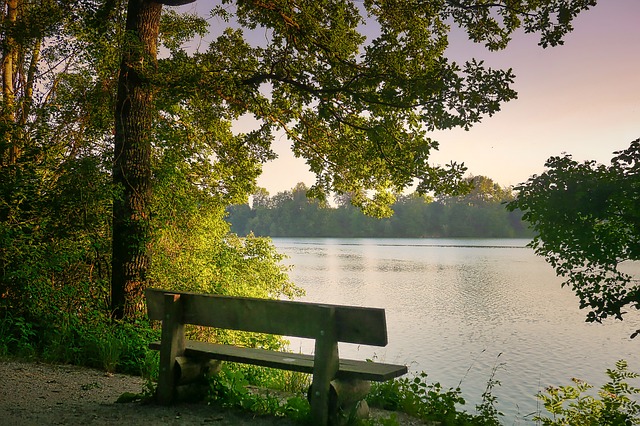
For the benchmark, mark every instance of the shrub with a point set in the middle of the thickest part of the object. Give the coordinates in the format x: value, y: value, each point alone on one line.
x: 430, y: 402
x: 614, y: 404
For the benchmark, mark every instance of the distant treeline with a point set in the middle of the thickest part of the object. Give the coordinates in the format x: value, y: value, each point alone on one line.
x: 481, y: 213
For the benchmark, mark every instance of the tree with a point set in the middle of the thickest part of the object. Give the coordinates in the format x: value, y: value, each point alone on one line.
x: 586, y: 217
x: 23, y: 26
x: 132, y: 157
x: 261, y: 198
x: 485, y: 191
x: 9, y: 52
x: 57, y: 133
x: 358, y: 111
x: 54, y: 150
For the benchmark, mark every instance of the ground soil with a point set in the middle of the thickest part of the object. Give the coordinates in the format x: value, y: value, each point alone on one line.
x: 45, y: 394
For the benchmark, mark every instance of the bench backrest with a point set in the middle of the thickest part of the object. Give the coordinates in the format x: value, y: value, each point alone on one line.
x: 353, y: 324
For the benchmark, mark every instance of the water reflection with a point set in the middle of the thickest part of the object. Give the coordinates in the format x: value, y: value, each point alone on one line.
x: 454, y: 305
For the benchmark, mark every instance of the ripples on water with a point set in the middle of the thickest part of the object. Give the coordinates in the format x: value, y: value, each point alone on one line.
x: 458, y: 308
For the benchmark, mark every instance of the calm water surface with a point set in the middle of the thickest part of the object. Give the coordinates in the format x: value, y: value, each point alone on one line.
x: 457, y: 308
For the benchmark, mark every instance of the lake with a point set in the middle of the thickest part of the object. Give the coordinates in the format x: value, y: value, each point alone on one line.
x: 458, y: 308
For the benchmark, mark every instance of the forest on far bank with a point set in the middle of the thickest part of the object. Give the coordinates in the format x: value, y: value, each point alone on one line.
x: 479, y: 214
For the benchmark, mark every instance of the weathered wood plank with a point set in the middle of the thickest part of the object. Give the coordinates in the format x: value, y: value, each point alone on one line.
x: 325, y: 367
x: 364, y: 370
x: 355, y: 324
x: 174, y: 343
x: 348, y: 368
x: 282, y: 360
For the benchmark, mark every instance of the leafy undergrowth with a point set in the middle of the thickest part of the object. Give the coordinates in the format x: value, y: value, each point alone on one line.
x: 613, y: 405
x: 232, y: 388
x: 281, y: 394
x: 431, y: 403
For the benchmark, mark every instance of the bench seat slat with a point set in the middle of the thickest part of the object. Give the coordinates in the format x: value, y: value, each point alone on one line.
x: 348, y: 369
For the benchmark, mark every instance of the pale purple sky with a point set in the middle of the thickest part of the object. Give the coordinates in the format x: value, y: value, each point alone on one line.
x: 582, y: 98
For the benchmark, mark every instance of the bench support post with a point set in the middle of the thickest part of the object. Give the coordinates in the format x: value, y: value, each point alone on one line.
x: 325, y: 368
x: 173, y: 342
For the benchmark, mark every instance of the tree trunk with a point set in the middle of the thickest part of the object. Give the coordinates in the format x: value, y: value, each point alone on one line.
x: 132, y: 163
x: 8, y: 149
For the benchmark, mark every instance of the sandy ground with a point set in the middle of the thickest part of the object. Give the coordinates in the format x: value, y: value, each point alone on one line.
x: 45, y: 394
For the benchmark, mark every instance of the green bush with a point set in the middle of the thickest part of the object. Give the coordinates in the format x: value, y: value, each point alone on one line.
x: 430, y: 402
x: 614, y: 404
x: 16, y: 337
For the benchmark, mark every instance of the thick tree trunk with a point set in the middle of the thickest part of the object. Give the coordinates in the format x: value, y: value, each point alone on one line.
x: 132, y: 164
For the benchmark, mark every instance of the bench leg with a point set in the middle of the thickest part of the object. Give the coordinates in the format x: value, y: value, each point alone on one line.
x: 326, y: 363
x: 172, y: 346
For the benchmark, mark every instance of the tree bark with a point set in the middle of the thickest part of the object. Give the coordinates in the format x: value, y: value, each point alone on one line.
x: 9, y: 149
x: 132, y: 163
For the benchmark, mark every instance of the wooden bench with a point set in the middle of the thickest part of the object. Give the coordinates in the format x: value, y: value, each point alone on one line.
x: 327, y: 324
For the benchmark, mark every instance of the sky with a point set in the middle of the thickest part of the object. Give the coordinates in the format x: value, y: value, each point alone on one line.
x: 581, y: 98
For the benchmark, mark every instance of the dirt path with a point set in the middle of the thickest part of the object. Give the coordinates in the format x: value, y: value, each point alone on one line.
x: 44, y: 394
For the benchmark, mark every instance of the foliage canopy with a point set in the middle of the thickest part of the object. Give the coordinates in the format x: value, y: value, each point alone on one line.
x: 356, y: 86
x: 587, y: 220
